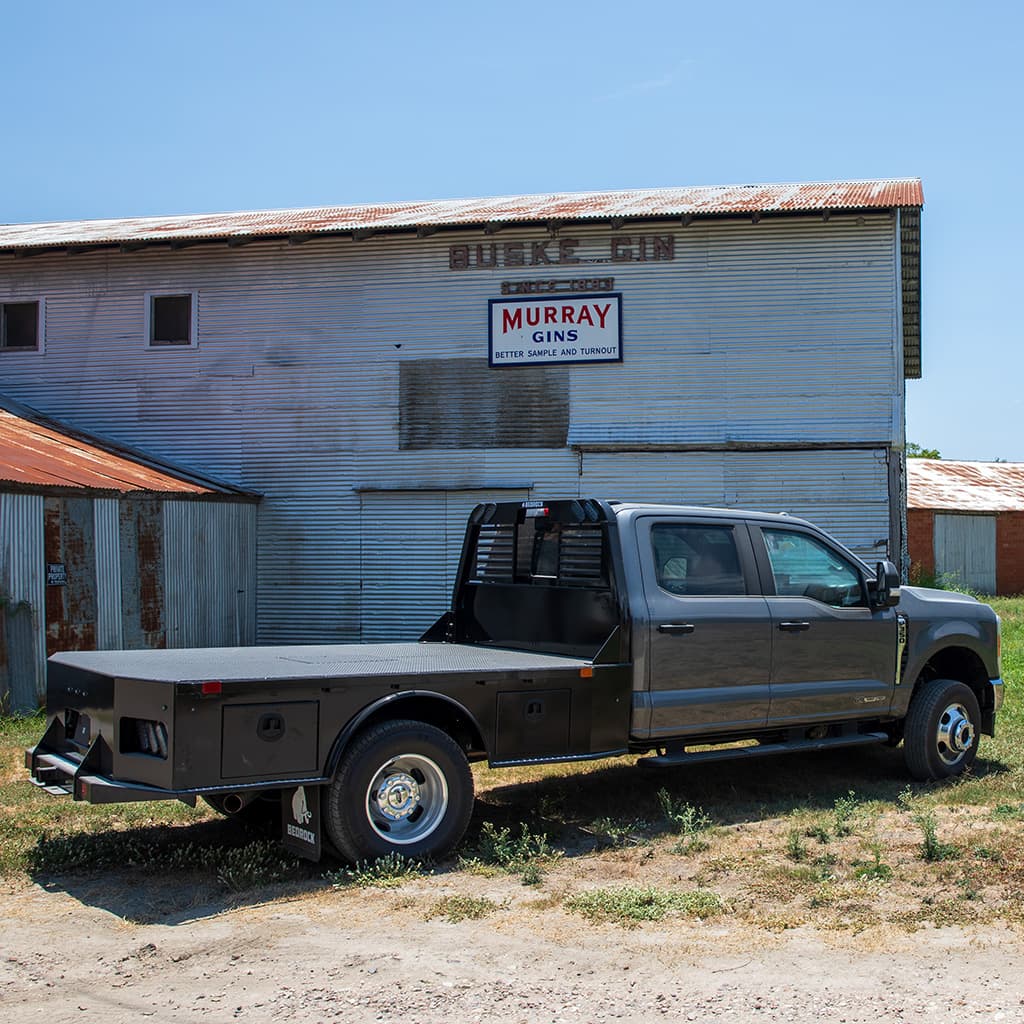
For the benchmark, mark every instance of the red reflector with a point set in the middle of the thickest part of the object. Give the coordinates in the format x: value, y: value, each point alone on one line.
x: 214, y: 686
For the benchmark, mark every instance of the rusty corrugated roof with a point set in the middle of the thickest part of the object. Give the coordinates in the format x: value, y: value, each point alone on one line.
x: 705, y: 200
x: 965, y: 486
x: 38, y: 452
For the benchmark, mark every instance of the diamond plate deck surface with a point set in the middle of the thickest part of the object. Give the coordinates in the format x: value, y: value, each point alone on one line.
x: 328, y: 661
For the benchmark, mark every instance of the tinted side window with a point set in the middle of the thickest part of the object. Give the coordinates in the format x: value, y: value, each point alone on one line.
x: 692, y: 560
x: 804, y: 567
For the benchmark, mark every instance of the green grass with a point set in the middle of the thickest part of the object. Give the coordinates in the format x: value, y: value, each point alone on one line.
x: 795, y: 840
x: 462, y: 908
x: 629, y: 905
x: 383, y: 873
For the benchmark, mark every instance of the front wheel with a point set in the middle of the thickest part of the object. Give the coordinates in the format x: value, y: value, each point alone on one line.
x: 942, y: 729
x: 401, y: 787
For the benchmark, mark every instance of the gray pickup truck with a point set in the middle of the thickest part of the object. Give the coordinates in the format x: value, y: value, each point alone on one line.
x: 579, y: 629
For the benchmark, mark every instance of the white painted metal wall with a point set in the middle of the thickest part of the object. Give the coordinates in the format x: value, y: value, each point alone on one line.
x: 783, y: 333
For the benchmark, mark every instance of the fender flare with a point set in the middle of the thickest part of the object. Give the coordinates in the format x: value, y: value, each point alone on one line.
x: 394, y: 701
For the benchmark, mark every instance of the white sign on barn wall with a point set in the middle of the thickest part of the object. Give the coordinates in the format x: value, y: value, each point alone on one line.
x: 557, y: 329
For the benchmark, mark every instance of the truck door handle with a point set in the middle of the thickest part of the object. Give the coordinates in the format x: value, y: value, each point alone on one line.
x: 676, y: 627
x: 794, y: 627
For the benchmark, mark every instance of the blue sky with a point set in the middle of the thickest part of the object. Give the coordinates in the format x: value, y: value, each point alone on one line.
x: 125, y: 109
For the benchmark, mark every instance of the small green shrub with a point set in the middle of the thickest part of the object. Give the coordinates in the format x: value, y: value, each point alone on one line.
x: 618, y: 833
x: 383, y: 873
x: 632, y: 904
x: 843, y: 811
x: 253, y: 865
x: 462, y: 908
x: 796, y: 849
x: 499, y: 847
x: 686, y: 820
x: 875, y: 869
x: 932, y: 848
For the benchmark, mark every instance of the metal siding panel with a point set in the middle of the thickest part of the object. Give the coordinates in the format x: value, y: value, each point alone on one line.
x: 843, y: 492
x: 410, y: 557
x: 965, y: 550
x: 208, y: 574
x: 755, y: 333
x: 109, y: 631
x: 22, y: 579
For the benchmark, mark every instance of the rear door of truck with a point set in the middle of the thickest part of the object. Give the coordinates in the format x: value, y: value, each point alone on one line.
x: 709, y: 631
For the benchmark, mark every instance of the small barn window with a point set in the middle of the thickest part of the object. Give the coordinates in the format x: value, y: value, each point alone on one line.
x: 19, y: 326
x: 170, y: 319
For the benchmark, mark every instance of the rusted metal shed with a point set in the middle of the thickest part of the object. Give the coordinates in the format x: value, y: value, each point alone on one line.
x: 965, y: 523
x: 105, y: 548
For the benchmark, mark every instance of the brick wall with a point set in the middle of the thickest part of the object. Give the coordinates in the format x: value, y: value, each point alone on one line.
x: 921, y: 542
x: 1010, y: 553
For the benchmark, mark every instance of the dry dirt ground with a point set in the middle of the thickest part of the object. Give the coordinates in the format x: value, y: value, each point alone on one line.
x: 117, y: 948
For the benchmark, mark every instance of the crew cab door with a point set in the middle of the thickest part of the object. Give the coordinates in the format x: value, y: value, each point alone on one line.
x: 834, y: 656
x: 709, y: 632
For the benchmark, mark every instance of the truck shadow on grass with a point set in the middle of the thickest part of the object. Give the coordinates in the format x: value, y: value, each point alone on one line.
x: 587, y: 810
x: 172, y: 874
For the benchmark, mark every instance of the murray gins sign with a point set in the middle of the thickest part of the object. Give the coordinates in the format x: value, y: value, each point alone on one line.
x: 562, y: 329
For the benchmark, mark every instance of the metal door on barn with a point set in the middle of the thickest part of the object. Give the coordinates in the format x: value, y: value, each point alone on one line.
x: 965, y: 551
x: 410, y: 546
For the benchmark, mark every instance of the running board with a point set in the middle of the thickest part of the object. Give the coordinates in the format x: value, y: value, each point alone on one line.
x: 763, y: 749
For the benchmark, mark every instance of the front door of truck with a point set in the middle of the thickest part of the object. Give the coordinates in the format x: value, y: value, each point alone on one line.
x: 708, y: 655
x: 834, y: 656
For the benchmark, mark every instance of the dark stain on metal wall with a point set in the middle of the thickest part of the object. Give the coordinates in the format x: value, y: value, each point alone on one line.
x: 463, y: 403
x: 142, y: 574
x: 17, y: 658
x: 69, y: 539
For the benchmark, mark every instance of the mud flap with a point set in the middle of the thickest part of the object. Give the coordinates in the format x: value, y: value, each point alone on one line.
x: 300, y: 821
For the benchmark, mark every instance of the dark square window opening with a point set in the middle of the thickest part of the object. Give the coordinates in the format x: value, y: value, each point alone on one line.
x: 170, y: 320
x: 19, y: 325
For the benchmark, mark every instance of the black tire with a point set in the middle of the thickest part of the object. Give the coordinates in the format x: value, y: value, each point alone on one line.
x: 941, y: 732
x: 401, y: 787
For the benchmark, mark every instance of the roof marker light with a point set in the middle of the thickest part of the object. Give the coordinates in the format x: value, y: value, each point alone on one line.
x: 214, y: 686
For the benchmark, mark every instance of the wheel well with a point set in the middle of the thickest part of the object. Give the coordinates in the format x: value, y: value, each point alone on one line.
x: 961, y: 664
x: 443, y: 714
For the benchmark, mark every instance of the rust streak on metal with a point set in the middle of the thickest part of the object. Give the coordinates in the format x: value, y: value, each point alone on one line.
x: 965, y: 486
x: 705, y: 200
x: 32, y: 453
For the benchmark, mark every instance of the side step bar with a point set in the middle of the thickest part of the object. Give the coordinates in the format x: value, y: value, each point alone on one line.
x: 669, y: 760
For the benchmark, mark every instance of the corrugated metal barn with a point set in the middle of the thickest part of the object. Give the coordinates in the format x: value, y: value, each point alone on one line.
x: 106, y: 549
x: 374, y: 372
x: 966, y: 523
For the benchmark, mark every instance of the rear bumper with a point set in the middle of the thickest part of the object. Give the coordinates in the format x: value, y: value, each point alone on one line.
x: 59, y: 773
x: 70, y: 774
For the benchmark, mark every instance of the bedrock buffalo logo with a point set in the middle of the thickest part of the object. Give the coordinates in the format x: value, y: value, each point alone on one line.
x: 300, y: 809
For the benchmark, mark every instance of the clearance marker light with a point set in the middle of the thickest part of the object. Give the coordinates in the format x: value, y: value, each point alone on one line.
x: 587, y: 672
x: 211, y: 688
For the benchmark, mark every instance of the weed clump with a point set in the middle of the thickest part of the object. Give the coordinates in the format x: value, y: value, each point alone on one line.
x: 932, y: 848
x: 687, y: 821
x: 462, y: 908
x: 383, y: 873
x: 632, y: 904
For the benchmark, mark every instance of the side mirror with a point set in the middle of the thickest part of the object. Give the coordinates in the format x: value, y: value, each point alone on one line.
x: 884, y: 589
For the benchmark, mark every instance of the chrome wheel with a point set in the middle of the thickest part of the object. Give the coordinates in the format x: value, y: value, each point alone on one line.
x: 955, y: 735
x: 406, y: 799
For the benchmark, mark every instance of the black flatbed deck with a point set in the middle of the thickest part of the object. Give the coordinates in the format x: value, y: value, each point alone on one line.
x: 321, y: 661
